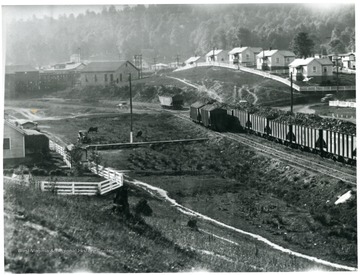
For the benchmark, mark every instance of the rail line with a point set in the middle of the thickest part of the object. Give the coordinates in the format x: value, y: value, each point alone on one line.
x: 292, y: 159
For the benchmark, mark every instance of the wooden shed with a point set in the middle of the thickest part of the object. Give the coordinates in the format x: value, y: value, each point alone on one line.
x: 171, y: 101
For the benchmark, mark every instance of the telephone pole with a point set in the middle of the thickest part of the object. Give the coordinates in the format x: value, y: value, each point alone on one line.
x: 177, y: 60
x: 131, y: 118
x: 291, y: 91
x: 155, y: 64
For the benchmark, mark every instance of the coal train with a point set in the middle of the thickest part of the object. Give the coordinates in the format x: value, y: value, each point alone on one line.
x: 327, y: 143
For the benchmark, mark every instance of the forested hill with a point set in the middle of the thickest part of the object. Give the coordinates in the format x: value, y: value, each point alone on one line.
x: 177, y: 29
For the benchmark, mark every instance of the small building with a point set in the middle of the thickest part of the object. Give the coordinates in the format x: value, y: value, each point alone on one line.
x: 19, y: 143
x: 14, y: 141
x: 216, y: 56
x: 159, y: 66
x: 108, y: 73
x: 171, y: 101
x: 194, y: 60
x: 274, y: 59
x: 317, y: 68
x: 245, y: 56
x: 20, y: 79
x: 348, y: 61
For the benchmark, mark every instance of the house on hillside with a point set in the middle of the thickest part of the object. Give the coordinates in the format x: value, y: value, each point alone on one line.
x: 20, y: 79
x: 108, y: 73
x: 19, y: 143
x: 216, y: 56
x: 316, y: 68
x: 194, y: 60
x: 348, y: 61
x: 244, y: 56
x: 159, y: 66
x: 274, y: 59
x: 27, y: 124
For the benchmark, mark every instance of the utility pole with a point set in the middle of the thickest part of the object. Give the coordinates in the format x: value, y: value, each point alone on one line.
x: 337, y: 76
x: 291, y: 92
x: 131, y: 118
x: 177, y: 60
x: 213, y: 57
x: 140, y: 56
x: 155, y: 64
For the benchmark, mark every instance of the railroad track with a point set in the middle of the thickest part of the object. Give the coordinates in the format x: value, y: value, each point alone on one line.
x: 292, y: 159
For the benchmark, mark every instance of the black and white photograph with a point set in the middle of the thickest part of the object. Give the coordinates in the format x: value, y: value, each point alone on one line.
x: 152, y: 137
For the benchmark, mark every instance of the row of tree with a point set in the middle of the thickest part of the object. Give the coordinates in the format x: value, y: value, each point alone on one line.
x: 178, y: 29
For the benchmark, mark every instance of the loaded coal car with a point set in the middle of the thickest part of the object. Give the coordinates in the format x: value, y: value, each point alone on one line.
x: 214, y: 116
x: 259, y: 125
x: 240, y: 118
x: 308, y: 138
x: 339, y: 146
x: 171, y: 101
x: 282, y: 133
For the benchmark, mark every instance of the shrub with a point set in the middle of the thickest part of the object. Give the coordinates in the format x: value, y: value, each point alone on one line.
x: 39, y: 172
x: 143, y: 208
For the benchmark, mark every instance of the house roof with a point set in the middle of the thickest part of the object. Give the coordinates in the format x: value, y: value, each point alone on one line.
x: 241, y: 49
x: 192, y: 59
x: 303, y: 62
x: 105, y: 66
x: 68, y: 67
x: 11, y: 69
x: 212, y: 52
x: 272, y: 52
x: 13, y: 126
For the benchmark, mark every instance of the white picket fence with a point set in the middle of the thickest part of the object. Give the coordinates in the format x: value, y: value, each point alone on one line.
x: 79, y: 188
x: 114, y: 179
x: 53, y: 146
x: 338, y: 103
x: 271, y: 76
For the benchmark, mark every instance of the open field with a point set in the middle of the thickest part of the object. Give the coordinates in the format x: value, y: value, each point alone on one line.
x: 231, y: 183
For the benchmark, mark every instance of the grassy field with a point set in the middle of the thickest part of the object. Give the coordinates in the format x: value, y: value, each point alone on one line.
x: 326, y: 110
x: 49, y: 233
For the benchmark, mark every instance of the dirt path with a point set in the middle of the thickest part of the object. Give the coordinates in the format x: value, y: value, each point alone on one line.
x: 254, y: 95
x: 200, y: 88
x: 158, y: 192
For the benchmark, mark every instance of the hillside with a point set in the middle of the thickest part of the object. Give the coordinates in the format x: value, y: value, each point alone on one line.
x: 222, y: 84
x: 165, y: 31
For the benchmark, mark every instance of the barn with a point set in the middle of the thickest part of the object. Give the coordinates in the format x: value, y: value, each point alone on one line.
x: 108, y: 73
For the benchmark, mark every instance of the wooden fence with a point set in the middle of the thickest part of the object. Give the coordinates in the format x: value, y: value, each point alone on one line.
x: 271, y: 76
x: 114, y: 179
x: 53, y: 146
x: 79, y: 188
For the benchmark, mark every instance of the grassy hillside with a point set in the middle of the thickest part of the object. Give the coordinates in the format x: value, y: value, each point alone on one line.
x: 223, y: 84
x: 49, y: 233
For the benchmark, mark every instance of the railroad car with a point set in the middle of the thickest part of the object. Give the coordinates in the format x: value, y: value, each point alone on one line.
x: 215, y: 117
x: 259, y: 125
x: 339, y: 146
x: 307, y: 139
x: 195, y: 113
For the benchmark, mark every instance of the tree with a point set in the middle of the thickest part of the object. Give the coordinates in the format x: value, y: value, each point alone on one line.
x: 336, y: 46
x: 302, y: 45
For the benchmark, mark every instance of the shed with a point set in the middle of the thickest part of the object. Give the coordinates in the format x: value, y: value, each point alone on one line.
x: 171, y: 101
x: 36, y: 142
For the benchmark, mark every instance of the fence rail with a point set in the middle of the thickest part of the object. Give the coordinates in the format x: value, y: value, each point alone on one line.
x: 53, y: 146
x: 114, y: 179
x: 271, y: 76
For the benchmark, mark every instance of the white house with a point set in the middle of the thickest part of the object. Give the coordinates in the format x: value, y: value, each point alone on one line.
x: 193, y: 61
x: 216, y: 56
x: 274, y: 59
x: 318, y: 68
x: 245, y: 56
x: 348, y: 60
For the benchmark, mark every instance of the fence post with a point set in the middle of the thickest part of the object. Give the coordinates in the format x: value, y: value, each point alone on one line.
x: 73, y: 188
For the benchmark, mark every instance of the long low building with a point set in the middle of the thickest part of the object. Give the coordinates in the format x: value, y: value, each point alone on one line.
x: 108, y: 73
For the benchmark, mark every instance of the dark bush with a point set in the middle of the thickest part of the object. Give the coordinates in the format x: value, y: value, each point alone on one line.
x: 142, y: 208
x: 39, y: 172
x: 193, y: 224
